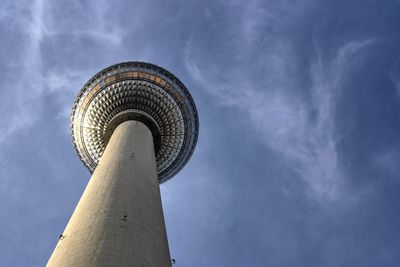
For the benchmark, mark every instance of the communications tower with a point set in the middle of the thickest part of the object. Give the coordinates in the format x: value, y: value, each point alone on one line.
x: 134, y: 125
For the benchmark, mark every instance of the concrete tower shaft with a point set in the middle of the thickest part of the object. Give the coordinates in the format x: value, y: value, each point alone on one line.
x: 119, y: 219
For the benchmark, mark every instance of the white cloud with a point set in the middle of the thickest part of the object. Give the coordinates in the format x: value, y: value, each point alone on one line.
x: 27, y: 90
x: 92, y: 19
x: 301, y: 130
x: 37, y: 24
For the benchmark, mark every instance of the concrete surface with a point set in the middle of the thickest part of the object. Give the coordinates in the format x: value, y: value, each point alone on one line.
x: 119, y: 219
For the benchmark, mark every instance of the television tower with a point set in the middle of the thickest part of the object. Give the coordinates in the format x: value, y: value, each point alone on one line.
x: 134, y: 125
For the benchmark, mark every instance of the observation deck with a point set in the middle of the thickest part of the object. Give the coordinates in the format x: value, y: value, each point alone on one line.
x: 136, y: 91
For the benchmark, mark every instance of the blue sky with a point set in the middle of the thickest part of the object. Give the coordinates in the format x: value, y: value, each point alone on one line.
x: 299, y: 104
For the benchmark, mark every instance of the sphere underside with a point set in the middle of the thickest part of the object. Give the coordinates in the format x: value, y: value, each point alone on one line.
x: 143, y: 87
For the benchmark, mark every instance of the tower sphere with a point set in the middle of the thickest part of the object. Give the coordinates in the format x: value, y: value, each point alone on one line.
x: 136, y: 91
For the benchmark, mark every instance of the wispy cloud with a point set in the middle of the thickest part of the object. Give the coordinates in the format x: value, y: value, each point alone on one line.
x: 99, y: 25
x: 386, y: 161
x: 322, y: 166
x: 37, y: 26
x: 395, y: 77
x: 300, y: 129
x: 27, y: 90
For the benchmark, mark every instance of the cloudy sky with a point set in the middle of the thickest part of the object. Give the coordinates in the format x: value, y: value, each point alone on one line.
x: 297, y: 162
